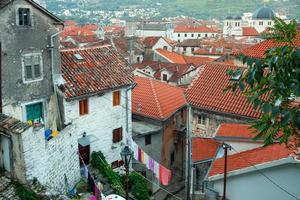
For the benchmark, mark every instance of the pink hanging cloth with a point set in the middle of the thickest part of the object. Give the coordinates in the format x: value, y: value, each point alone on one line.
x: 165, y: 175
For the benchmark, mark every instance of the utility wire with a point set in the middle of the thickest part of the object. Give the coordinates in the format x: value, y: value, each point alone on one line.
x: 268, y: 178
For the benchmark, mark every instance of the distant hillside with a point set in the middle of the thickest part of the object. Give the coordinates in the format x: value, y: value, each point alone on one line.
x: 204, y: 9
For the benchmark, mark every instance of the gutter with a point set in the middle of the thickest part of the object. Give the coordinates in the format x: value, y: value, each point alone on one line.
x: 52, y: 72
x: 127, y: 110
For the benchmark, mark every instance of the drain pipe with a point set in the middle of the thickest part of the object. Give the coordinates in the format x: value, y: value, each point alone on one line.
x: 53, y: 73
x: 127, y: 110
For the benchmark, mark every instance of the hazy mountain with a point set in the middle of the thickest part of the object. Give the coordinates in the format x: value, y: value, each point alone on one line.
x: 204, y: 9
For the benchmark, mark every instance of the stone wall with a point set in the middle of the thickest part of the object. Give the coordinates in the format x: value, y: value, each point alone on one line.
x: 51, y: 161
x: 101, y: 120
x: 213, y: 122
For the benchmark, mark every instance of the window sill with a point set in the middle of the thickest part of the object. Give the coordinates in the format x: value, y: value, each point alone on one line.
x: 32, y: 81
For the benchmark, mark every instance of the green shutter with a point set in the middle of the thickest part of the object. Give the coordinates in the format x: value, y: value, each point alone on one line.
x: 34, y: 111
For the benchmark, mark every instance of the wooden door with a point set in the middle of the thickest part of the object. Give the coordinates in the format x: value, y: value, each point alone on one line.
x: 85, y: 154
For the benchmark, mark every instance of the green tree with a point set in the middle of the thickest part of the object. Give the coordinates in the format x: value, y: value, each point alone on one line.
x: 272, y: 84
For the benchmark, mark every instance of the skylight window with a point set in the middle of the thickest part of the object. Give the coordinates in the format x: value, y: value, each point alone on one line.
x: 236, y: 76
x: 78, y: 56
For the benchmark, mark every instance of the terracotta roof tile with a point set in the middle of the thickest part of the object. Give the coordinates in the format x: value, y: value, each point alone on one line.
x: 102, y: 68
x: 251, y: 157
x: 204, y: 149
x: 194, y: 29
x: 235, y: 131
x: 177, y: 70
x: 249, y: 31
x: 196, y: 60
x: 207, y: 92
x: 258, y: 50
x: 171, y: 56
x: 154, y: 99
x: 149, y: 42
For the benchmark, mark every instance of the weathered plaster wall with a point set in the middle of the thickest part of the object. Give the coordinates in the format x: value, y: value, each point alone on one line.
x: 17, y: 40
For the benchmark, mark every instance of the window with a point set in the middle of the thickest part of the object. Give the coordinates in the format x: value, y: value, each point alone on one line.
x: 117, y: 135
x: 147, y: 139
x: 184, y: 49
x: 172, y: 159
x: 193, y: 49
x: 199, y: 35
x: 205, y: 34
x: 192, y: 35
x: 165, y: 77
x: 138, y: 59
x: 269, y: 23
x: 32, y: 67
x: 178, y: 34
x: 116, y: 98
x: 202, y: 120
x: 83, y: 107
x: 34, y: 112
x: 24, y: 17
x: 261, y: 23
x: 185, y: 35
x: 165, y: 48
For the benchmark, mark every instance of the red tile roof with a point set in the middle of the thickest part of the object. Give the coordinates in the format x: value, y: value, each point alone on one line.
x: 207, y: 92
x: 251, y: 157
x: 177, y: 70
x: 79, y: 30
x: 154, y: 99
x: 171, y: 56
x: 204, y: 149
x: 196, y: 60
x: 149, y: 42
x: 102, y: 68
x: 258, y: 50
x: 85, y: 39
x: 249, y: 31
x: 114, y: 29
x: 235, y: 131
x: 174, y: 57
x: 194, y: 29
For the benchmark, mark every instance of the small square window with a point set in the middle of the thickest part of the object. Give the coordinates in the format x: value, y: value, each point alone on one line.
x: 117, y: 135
x: 83, y: 107
x: 147, y: 139
x: 201, y: 120
x: 178, y: 34
x: 24, y: 16
x: 116, y: 98
x: 199, y: 35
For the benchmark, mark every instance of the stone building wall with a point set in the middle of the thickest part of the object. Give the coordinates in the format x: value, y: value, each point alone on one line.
x: 51, y: 161
x: 101, y: 120
x: 213, y: 122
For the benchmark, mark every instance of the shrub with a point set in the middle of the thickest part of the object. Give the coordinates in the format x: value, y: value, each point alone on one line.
x: 24, y: 193
x: 139, y: 186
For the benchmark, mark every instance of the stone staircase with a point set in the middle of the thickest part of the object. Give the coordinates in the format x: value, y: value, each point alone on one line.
x: 7, y: 189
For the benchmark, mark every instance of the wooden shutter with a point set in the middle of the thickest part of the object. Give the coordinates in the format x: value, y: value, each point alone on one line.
x: 117, y: 135
x: 116, y: 98
x: 83, y: 107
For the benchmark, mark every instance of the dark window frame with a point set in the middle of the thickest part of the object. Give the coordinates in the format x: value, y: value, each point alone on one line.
x: 148, y: 139
x: 24, y: 17
x: 83, y: 107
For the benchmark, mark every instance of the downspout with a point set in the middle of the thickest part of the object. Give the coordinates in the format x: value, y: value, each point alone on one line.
x: 52, y: 72
x: 0, y: 77
x: 127, y: 111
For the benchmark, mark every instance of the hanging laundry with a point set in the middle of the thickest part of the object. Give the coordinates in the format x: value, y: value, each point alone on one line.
x: 142, y: 156
x: 135, y: 149
x: 96, y: 191
x: 165, y: 175
x: 150, y: 164
x: 139, y: 154
x: 146, y: 159
x: 156, y: 169
x: 85, y: 172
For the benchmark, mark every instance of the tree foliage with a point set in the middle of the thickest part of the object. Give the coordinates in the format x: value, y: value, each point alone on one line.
x: 272, y: 84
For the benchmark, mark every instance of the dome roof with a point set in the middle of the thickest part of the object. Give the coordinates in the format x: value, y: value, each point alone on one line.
x: 263, y: 13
